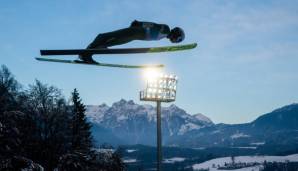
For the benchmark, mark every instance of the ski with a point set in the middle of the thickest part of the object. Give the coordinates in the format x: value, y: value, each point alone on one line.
x: 119, y: 51
x: 99, y: 64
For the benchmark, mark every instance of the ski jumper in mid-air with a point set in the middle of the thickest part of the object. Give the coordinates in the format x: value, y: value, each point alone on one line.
x: 138, y: 30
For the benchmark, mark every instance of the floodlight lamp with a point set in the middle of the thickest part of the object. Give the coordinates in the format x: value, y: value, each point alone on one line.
x: 162, y: 88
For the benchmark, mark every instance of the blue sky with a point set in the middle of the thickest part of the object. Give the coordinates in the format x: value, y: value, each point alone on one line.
x: 245, y: 65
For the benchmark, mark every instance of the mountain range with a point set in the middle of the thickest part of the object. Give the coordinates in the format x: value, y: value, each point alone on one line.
x: 128, y: 123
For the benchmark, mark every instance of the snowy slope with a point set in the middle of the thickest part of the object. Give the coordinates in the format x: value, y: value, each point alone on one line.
x: 244, y: 159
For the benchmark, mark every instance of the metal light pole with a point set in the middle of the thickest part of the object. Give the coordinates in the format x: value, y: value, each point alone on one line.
x: 160, y: 89
x: 158, y: 133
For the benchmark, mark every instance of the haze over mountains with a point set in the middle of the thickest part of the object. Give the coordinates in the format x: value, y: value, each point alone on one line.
x: 128, y: 123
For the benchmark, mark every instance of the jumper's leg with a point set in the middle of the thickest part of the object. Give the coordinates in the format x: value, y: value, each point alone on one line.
x: 117, y: 37
x: 114, y: 38
x: 88, y: 57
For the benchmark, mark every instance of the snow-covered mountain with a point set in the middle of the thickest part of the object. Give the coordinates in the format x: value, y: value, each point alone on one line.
x: 126, y: 122
x: 136, y: 124
x: 279, y: 127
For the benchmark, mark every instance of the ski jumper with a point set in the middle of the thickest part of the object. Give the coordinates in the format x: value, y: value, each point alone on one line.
x: 137, y: 31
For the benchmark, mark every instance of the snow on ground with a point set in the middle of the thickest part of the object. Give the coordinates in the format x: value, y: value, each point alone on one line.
x: 254, y: 168
x: 253, y: 148
x: 199, y: 148
x: 239, y: 135
x: 257, y: 143
x: 244, y: 159
x: 131, y: 150
x: 215, y: 132
x: 121, y: 118
x: 174, y: 160
x: 129, y: 160
x: 104, y: 150
x: 187, y: 127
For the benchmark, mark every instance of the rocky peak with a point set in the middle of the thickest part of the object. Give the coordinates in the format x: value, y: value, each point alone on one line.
x: 203, y: 118
x: 119, y: 103
x: 103, y: 105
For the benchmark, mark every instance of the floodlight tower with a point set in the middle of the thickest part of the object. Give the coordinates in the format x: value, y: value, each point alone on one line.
x: 161, y: 88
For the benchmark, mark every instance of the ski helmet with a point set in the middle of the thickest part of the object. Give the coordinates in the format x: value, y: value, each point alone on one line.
x: 177, y: 35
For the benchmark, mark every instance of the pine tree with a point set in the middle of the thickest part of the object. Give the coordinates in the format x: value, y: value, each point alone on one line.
x: 81, y: 134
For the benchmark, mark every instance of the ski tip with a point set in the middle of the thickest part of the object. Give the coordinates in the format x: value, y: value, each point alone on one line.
x: 152, y: 66
x: 192, y: 45
x: 156, y: 66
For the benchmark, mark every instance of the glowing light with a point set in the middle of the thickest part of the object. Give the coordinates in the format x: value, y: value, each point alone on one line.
x: 151, y: 74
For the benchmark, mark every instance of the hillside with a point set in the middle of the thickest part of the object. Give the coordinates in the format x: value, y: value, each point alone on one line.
x: 126, y: 122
